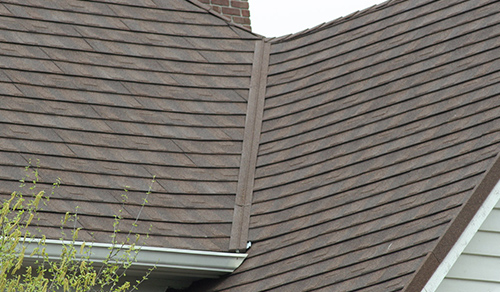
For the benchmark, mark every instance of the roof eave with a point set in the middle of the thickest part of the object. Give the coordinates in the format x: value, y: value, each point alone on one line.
x: 457, y: 228
x: 462, y: 242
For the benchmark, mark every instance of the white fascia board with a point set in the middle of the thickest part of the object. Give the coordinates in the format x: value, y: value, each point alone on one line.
x: 463, y: 240
x: 167, y: 261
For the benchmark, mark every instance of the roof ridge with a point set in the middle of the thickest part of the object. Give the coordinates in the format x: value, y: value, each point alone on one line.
x: 338, y: 20
x: 251, y: 141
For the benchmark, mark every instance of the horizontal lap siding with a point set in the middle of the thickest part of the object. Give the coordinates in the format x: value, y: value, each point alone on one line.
x: 477, y: 267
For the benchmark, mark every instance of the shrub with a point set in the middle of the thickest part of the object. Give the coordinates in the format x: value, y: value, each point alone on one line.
x: 74, y: 269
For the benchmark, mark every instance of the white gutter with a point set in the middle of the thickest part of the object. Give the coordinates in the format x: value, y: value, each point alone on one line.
x: 169, y: 263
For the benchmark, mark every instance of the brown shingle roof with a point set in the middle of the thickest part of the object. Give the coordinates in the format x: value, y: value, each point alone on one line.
x: 377, y: 132
x: 377, y: 129
x: 108, y: 94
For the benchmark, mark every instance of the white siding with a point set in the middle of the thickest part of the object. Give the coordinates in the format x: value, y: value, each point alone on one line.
x: 456, y: 285
x: 478, y: 267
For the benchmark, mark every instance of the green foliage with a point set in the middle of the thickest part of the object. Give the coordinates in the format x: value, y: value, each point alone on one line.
x: 74, y: 269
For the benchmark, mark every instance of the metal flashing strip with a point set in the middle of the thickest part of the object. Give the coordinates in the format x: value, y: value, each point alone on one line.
x: 167, y: 261
x: 251, y: 139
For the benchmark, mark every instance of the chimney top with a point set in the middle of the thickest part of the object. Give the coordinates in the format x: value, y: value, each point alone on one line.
x: 236, y: 11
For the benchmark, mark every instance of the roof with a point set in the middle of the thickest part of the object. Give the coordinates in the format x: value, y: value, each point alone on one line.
x: 350, y: 155
x: 109, y: 94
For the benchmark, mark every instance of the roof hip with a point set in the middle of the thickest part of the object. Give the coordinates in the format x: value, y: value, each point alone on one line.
x: 251, y: 140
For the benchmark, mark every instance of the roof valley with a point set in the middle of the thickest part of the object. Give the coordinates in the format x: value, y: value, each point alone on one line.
x: 251, y: 140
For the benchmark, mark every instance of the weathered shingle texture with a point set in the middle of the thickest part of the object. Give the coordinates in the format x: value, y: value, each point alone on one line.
x: 377, y: 129
x: 110, y: 94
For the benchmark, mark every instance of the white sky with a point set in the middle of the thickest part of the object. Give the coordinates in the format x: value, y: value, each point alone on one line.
x: 272, y: 18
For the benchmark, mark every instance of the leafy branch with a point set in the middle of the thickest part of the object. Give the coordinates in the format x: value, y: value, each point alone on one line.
x: 74, y: 269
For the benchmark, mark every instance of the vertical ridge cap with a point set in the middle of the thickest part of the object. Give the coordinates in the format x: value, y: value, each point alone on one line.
x: 251, y: 139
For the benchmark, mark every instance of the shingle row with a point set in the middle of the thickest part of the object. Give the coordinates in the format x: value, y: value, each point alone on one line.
x: 107, y: 95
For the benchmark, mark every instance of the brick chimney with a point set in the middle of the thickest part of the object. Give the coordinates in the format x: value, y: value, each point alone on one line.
x: 234, y: 10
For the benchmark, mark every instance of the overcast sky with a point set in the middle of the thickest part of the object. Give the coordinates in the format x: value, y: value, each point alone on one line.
x: 279, y: 17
